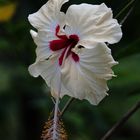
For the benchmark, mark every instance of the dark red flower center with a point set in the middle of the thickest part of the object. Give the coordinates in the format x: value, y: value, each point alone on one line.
x: 65, y: 43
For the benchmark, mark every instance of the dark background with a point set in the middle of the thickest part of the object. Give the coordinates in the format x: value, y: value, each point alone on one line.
x: 25, y: 101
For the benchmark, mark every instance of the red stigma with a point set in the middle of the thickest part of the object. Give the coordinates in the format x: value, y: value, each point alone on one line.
x: 65, y: 43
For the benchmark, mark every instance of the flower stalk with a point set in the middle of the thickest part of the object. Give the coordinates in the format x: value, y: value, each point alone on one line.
x: 127, y: 5
x: 121, y: 122
x: 55, y: 120
x: 66, y: 106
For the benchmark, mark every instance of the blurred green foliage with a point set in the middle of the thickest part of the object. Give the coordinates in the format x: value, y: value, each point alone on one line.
x: 25, y: 102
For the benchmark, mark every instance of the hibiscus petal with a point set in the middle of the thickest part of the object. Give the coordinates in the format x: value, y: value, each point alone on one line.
x: 33, y: 33
x: 87, y: 78
x: 48, y: 16
x: 46, y: 21
x: 43, y: 50
x: 94, y: 24
x: 51, y: 73
x: 98, y: 61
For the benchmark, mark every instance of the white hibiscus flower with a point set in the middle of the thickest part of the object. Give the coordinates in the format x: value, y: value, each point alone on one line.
x: 71, y: 50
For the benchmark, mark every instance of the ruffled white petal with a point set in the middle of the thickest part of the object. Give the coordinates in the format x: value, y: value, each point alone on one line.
x: 42, y: 51
x: 87, y: 78
x: 51, y: 73
x: 75, y: 81
x: 98, y: 61
x: 46, y: 20
x: 33, y: 33
x: 93, y: 23
x: 48, y: 16
x: 43, y: 46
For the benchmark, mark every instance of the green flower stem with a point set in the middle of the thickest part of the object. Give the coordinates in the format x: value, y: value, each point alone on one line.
x: 124, y: 19
x: 132, y: 1
x: 121, y: 122
x: 66, y: 106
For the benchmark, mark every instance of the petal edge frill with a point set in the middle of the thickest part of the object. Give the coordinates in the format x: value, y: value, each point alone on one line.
x: 48, y: 15
x: 50, y: 72
x: 87, y: 79
x: 95, y: 24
